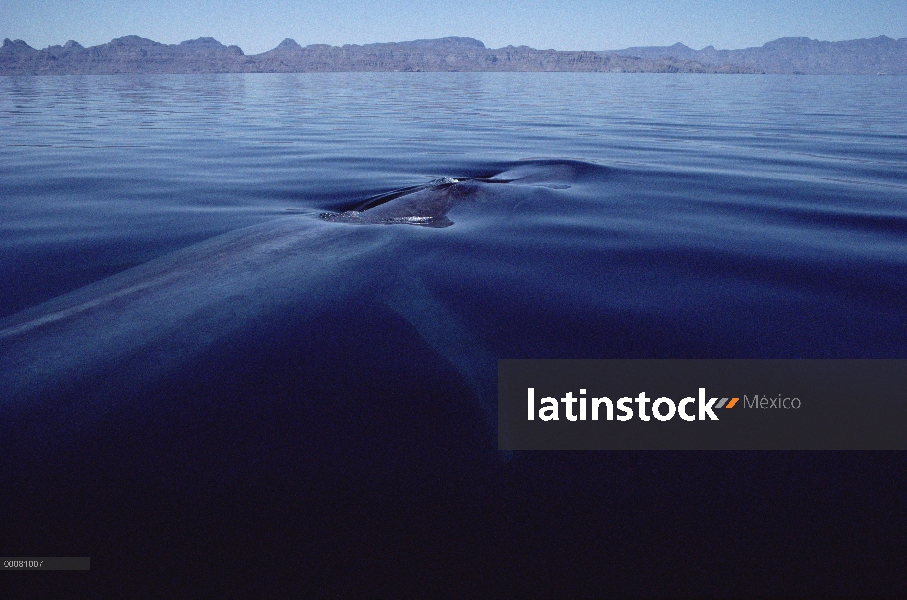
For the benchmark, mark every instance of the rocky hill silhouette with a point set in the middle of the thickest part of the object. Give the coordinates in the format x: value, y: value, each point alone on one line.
x: 133, y: 54
x: 794, y: 55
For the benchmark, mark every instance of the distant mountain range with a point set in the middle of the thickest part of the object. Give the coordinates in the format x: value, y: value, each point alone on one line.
x: 133, y: 54
x: 795, y: 55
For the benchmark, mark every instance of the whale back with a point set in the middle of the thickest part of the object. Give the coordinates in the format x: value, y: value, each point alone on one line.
x: 426, y: 205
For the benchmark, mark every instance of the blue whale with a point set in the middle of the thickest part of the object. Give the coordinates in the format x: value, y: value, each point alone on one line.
x: 112, y: 339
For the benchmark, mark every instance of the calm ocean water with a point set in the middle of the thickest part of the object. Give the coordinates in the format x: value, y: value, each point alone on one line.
x: 240, y: 373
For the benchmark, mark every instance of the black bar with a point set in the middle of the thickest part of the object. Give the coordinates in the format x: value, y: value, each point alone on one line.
x: 782, y: 404
x: 46, y: 563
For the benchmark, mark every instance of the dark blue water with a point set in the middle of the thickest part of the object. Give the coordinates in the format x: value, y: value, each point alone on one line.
x: 204, y: 383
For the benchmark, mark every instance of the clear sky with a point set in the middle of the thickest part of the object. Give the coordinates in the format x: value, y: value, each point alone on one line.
x: 259, y: 25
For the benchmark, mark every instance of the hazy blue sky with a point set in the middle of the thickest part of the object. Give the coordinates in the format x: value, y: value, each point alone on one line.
x: 259, y: 25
